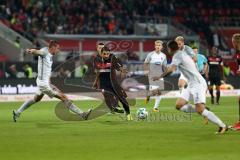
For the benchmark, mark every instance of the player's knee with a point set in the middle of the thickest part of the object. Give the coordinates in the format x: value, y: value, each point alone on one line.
x: 199, y: 108
x: 178, y: 106
x: 63, y: 97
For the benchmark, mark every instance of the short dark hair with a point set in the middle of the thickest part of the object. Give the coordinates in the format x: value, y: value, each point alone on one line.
x: 100, y: 44
x: 172, y: 45
x: 194, y: 47
x: 53, y: 43
x: 105, y: 49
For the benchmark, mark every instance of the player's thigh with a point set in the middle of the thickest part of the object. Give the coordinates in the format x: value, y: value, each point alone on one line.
x: 38, y: 97
x: 200, y: 107
x: 184, y: 98
x: 199, y: 94
x: 52, y: 91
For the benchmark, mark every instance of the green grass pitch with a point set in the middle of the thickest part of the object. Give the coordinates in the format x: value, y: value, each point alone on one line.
x: 40, y: 135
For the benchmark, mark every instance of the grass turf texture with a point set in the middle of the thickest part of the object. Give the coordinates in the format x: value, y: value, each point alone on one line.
x: 39, y: 135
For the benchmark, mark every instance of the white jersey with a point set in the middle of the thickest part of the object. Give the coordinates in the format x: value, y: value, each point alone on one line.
x: 187, y: 67
x: 44, y: 67
x: 156, y: 63
x: 188, y: 50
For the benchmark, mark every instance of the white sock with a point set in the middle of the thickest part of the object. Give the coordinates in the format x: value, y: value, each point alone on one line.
x: 213, y: 118
x: 188, y: 108
x: 25, y: 105
x: 73, y: 108
x: 157, y: 101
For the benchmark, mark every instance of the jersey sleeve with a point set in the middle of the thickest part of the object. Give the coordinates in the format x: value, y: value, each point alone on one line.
x: 189, y: 51
x: 96, y: 63
x: 117, y: 63
x: 148, y: 58
x: 205, y: 61
x: 42, y: 52
x: 176, y: 60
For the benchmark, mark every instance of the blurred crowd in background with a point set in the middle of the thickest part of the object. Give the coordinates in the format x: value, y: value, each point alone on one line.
x: 32, y: 17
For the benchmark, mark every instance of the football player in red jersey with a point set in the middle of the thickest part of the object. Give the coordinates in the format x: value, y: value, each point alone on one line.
x: 106, y: 64
x: 215, y: 73
x: 236, y: 45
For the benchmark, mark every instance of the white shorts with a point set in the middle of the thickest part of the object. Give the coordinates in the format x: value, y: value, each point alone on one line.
x: 46, y: 88
x: 182, y: 77
x: 153, y: 85
x: 195, y: 93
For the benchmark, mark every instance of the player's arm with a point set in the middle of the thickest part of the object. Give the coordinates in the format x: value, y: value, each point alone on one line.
x: 223, y: 75
x: 168, y: 71
x: 35, y: 52
x: 119, y: 66
x: 176, y: 61
x: 146, y: 64
x: 205, y: 67
x: 96, y: 82
x: 191, y: 53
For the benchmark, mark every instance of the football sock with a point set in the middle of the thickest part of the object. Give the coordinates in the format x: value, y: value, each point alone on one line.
x: 218, y: 95
x: 211, y: 92
x: 125, y: 106
x: 72, y: 107
x: 25, y: 105
x: 213, y: 118
x: 157, y: 101
x: 188, y: 108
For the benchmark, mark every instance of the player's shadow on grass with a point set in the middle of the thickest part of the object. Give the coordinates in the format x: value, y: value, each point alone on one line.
x: 63, y: 113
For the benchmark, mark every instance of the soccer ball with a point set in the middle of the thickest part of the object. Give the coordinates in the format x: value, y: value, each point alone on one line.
x: 142, y: 113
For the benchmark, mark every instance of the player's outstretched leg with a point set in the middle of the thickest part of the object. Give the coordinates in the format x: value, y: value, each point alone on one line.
x: 25, y: 105
x: 112, y: 102
x: 211, y: 117
x: 71, y: 106
x: 184, y: 106
x: 126, y: 108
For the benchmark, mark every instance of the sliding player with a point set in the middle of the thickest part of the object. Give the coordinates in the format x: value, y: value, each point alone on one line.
x: 182, y: 82
x: 106, y: 65
x: 196, y: 88
x: 43, y: 82
x: 154, y: 65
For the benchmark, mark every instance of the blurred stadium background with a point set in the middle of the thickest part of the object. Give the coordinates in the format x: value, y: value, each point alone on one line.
x: 130, y: 27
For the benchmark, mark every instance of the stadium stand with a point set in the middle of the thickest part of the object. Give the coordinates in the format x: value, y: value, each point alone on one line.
x: 31, y: 17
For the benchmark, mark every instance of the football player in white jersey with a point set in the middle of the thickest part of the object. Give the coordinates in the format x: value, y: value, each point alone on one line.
x: 182, y: 82
x: 196, y: 88
x: 43, y: 82
x: 154, y: 65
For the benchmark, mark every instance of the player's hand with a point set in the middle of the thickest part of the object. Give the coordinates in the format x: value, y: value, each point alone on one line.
x: 29, y: 51
x: 156, y: 78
